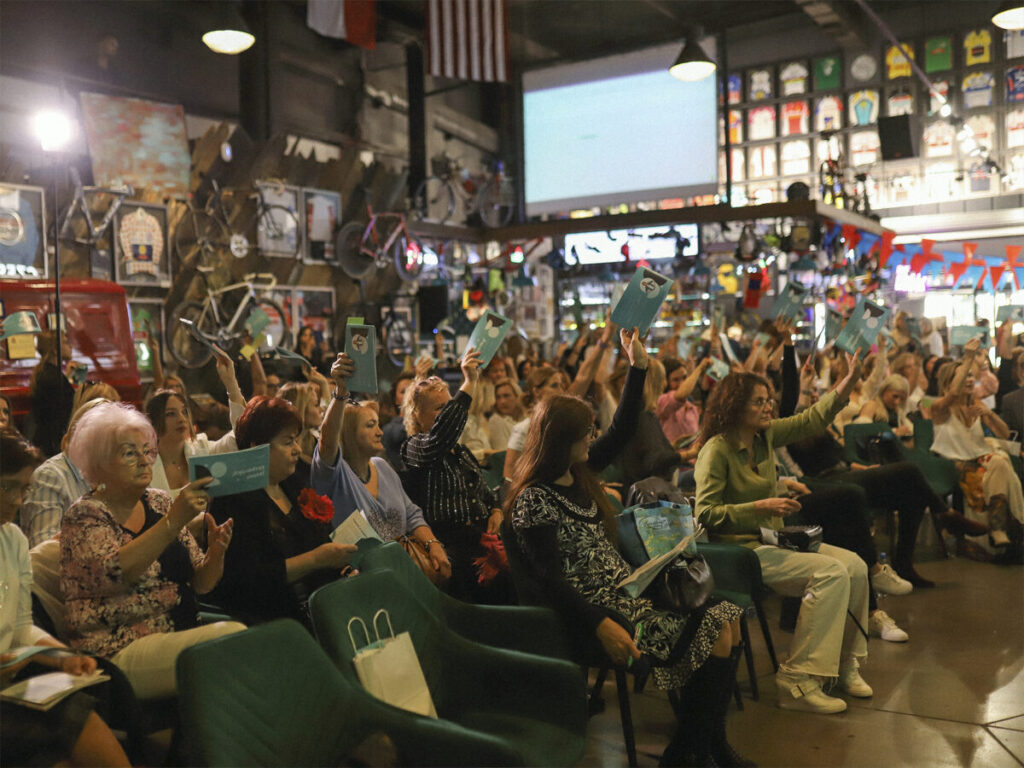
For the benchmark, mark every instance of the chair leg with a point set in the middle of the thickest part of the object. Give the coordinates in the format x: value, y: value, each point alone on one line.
x: 940, y: 542
x: 748, y: 652
x: 763, y: 620
x: 627, y: 716
x: 736, y: 694
x: 595, y: 699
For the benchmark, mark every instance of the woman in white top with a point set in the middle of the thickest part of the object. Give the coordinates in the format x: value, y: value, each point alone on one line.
x: 177, y: 441
x: 890, y: 406
x: 930, y: 338
x: 909, y: 366
x: 476, y: 435
x: 508, y: 411
x: 987, y: 478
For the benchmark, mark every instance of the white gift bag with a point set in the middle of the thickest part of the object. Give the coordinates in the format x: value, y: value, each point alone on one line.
x: 389, y: 669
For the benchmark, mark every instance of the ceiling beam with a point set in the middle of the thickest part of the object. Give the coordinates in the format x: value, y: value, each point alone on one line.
x: 837, y: 22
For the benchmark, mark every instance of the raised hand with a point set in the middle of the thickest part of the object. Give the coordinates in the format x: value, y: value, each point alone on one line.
x: 471, y: 366
x: 190, y: 502
x: 218, y: 537
x: 777, y: 507
x: 342, y: 369
x: 633, y: 347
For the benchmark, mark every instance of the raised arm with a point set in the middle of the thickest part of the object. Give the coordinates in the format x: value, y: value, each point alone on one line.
x: 424, y: 449
x: 226, y: 373
x: 941, y: 405
x: 591, y: 362
x: 330, y: 428
x: 604, y: 450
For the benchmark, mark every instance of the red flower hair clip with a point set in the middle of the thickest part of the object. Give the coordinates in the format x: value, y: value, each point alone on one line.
x: 320, y: 509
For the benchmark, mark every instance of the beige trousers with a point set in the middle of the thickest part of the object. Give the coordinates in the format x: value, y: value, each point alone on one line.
x: 830, y: 581
x: 149, y: 662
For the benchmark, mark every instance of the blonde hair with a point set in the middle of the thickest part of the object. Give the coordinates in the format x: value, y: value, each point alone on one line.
x: 519, y: 413
x: 299, y: 394
x: 483, y: 400
x: 350, y: 424
x: 539, y: 376
x: 411, y: 401
x: 93, y: 391
x: 654, y: 384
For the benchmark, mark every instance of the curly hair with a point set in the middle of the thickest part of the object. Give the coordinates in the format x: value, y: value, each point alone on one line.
x: 411, y: 402
x: 263, y: 419
x: 727, y: 403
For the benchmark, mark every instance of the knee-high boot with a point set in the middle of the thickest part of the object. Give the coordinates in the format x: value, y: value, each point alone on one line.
x: 721, y: 751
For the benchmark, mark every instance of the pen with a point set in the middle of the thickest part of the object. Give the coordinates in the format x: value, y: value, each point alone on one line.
x: 636, y: 639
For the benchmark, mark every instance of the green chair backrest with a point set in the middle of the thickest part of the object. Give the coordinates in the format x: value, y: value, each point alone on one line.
x: 854, y: 434
x: 924, y: 434
x: 393, y: 557
x: 267, y: 696
x: 494, y: 472
x: 735, y: 568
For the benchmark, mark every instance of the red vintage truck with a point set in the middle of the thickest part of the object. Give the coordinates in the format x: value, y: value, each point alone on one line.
x: 99, y: 329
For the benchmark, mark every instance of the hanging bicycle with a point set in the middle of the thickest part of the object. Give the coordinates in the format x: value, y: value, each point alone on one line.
x: 80, y: 211
x: 382, y: 240
x: 492, y: 195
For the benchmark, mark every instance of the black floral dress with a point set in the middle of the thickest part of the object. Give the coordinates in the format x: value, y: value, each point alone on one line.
x: 591, y: 567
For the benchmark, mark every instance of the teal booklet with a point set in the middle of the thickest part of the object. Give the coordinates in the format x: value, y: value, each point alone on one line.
x: 862, y: 329
x: 641, y: 300
x: 235, y: 472
x: 361, y: 346
x: 1014, y: 312
x: 833, y: 324
x: 491, y: 329
x: 718, y: 369
x: 256, y: 322
x: 790, y: 304
x: 961, y: 334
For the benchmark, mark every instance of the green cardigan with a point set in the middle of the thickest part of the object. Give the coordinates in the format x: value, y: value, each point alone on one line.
x: 728, y: 487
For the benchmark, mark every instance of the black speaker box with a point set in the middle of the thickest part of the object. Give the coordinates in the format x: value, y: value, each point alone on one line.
x: 898, y: 137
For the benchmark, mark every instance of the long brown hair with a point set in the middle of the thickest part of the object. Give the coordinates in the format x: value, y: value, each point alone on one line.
x: 728, y: 401
x: 558, y: 422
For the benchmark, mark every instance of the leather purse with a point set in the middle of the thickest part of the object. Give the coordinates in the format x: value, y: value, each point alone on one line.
x: 799, y: 538
x: 682, y: 586
x: 419, y: 555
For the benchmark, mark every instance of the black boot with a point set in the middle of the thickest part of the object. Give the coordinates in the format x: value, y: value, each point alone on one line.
x: 721, y: 750
x: 690, y: 744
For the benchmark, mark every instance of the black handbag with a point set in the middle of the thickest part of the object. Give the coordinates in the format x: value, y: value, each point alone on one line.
x: 883, y: 448
x: 799, y: 538
x: 683, y: 585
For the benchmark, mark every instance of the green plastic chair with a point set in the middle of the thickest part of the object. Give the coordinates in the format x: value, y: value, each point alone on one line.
x: 518, y: 628
x: 853, y: 434
x: 738, y: 579
x: 270, y: 696
x: 534, y: 706
x: 494, y: 472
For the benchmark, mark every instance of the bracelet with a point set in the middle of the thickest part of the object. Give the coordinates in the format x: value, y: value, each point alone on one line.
x: 335, y: 395
x: 428, y: 542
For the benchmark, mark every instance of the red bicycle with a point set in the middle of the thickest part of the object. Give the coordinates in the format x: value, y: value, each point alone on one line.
x: 382, y: 240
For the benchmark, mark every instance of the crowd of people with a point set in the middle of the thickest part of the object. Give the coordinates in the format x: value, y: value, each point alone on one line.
x: 103, y: 504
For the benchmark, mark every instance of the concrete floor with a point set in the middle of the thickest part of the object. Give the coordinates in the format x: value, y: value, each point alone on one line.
x: 952, y: 696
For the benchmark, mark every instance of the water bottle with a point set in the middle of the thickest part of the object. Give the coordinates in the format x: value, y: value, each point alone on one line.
x: 883, y: 559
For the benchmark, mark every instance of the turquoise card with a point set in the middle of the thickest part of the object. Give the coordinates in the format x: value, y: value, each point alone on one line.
x: 1014, y: 312
x: 718, y: 369
x: 641, y: 300
x: 491, y: 329
x: 235, y: 472
x: 961, y: 334
x: 256, y: 322
x: 361, y: 346
x: 833, y: 324
x: 791, y: 303
x: 862, y: 329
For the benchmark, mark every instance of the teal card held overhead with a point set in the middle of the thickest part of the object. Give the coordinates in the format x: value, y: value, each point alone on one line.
x: 790, y: 304
x: 862, y: 329
x: 833, y: 325
x: 361, y: 346
x: 1014, y: 312
x: 961, y: 334
x: 235, y: 472
x: 491, y: 329
x: 641, y: 300
x: 718, y: 369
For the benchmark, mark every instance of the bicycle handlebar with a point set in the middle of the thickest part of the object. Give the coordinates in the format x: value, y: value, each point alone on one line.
x: 266, y: 277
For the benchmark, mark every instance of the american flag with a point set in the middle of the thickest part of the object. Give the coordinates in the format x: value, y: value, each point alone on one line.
x: 468, y: 39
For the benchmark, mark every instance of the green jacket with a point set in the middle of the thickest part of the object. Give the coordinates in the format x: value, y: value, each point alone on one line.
x: 728, y: 487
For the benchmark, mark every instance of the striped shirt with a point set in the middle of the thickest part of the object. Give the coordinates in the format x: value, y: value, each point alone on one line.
x: 56, y: 485
x: 442, y: 477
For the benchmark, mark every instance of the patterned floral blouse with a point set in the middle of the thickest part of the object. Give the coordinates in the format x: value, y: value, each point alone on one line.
x: 104, y: 613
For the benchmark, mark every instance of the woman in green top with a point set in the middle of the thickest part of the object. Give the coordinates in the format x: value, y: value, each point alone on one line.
x: 736, y: 497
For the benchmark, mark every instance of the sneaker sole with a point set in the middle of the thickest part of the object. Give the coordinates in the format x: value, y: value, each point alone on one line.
x: 861, y: 694
x: 798, y: 706
x: 891, y: 639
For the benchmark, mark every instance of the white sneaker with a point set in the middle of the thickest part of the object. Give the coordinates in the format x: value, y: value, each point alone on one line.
x: 880, y: 624
x: 851, y: 681
x: 803, y: 693
x: 888, y: 582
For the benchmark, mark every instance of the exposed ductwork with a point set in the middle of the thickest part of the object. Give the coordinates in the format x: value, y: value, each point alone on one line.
x: 841, y: 22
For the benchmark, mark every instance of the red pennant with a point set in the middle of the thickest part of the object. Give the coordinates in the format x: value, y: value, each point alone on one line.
x: 918, y: 261
x: 851, y: 235
x: 996, y: 273
x: 957, y: 269
x: 886, y: 250
x: 926, y: 247
x: 969, y: 249
x: 1012, y: 254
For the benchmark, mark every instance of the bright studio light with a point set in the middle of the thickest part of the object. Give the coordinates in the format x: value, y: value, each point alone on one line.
x: 53, y: 129
x: 1009, y: 16
x: 693, y: 63
x: 945, y: 110
x: 229, y: 41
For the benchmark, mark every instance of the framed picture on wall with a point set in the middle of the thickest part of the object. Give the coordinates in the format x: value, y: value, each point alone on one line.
x: 315, y: 307
x: 147, y: 318
x: 322, y: 209
x: 23, y: 220
x: 141, y: 255
x: 284, y: 239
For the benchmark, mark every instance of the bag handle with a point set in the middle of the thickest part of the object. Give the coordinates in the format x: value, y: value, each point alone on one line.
x: 366, y: 632
x: 386, y: 616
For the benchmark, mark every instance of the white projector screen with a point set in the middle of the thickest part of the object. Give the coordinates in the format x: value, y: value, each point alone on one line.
x: 618, y: 130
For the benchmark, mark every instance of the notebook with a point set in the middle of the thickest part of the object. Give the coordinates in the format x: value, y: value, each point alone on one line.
x: 43, y: 692
x: 642, y: 300
x: 361, y: 346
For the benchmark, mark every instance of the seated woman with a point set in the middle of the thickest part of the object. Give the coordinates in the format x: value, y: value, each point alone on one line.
x: 71, y: 730
x: 736, y: 498
x: 177, y: 441
x: 910, y: 367
x: 559, y: 520
x: 508, y: 411
x: 889, y: 406
x: 444, y: 479
x: 678, y: 414
x: 987, y: 477
x: 347, y: 469
x: 129, y: 569
x: 282, y: 549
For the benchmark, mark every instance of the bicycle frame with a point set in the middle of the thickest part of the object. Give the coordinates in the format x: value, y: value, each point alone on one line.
x: 79, y: 203
x: 371, y: 231
x: 250, y: 296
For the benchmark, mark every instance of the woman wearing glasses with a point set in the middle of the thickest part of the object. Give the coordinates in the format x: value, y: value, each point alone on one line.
x: 737, y: 497
x: 129, y: 568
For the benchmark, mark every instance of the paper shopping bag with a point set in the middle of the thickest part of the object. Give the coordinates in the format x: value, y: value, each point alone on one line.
x: 390, y: 670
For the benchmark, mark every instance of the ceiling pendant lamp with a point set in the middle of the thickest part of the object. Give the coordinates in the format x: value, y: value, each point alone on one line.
x: 692, y: 64
x: 228, y: 32
x: 1010, y: 15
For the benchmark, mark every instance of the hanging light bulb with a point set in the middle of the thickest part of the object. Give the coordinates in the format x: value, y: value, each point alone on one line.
x: 1010, y: 15
x: 692, y: 64
x: 229, y: 34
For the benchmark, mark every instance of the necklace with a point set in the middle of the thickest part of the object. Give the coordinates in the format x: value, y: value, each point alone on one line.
x: 369, y: 474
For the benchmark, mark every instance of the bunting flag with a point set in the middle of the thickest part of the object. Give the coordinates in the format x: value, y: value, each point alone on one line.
x: 1016, y: 268
x: 468, y: 40
x: 866, y: 243
x: 352, y: 20
x: 851, y: 235
x: 886, y: 250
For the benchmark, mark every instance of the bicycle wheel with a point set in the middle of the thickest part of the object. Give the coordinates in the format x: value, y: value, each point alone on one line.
x: 277, y: 232
x: 408, y: 257
x: 200, y: 240
x: 497, y: 202
x: 278, y: 330
x: 397, y: 339
x: 348, y: 247
x: 434, y: 200
x: 180, y: 343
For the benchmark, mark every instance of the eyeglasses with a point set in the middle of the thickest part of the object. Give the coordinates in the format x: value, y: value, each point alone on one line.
x: 134, y: 457
x: 430, y: 380
x: 762, y: 402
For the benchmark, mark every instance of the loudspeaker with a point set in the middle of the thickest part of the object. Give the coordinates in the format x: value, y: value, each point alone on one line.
x: 898, y: 137
x: 433, y: 306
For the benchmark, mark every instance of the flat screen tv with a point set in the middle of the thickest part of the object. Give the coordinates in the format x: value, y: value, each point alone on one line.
x: 617, y: 130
